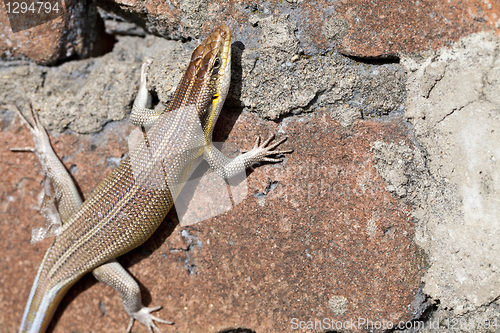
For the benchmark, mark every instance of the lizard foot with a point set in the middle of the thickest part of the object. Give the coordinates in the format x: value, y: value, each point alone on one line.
x: 260, y: 152
x: 40, y: 137
x: 145, y: 317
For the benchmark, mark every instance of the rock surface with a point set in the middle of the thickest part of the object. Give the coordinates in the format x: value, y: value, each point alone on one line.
x: 50, y: 31
x: 385, y: 213
x: 453, y: 100
x: 318, y: 236
x: 360, y: 28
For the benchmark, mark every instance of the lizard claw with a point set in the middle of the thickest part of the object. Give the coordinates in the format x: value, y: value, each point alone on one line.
x: 144, y: 70
x: 145, y: 317
x: 40, y: 136
x: 260, y: 152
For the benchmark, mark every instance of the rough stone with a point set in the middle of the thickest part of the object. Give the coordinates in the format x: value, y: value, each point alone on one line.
x: 317, y: 237
x: 265, y: 81
x: 84, y: 95
x: 331, y: 232
x: 390, y: 28
x: 456, y: 122
x: 76, y: 32
x: 273, y: 85
x: 360, y: 28
x: 261, y: 284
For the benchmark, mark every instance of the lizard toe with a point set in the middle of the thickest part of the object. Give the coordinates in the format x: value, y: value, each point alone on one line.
x: 145, y: 317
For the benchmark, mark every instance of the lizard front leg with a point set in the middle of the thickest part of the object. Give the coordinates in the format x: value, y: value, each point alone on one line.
x: 141, y: 115
x: 227, y: 168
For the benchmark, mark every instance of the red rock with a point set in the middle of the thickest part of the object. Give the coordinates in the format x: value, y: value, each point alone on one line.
x: 325, y: 240
x: 361, y: 28
x: 388, y: 28
x: 74, y: 31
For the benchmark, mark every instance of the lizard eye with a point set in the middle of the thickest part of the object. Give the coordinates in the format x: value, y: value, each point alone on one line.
x: 216, y: 67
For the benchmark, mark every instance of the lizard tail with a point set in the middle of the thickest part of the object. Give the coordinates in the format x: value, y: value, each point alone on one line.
x: 42, y: 304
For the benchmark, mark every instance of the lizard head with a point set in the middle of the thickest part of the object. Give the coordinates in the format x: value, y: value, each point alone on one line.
x: 208, y: 76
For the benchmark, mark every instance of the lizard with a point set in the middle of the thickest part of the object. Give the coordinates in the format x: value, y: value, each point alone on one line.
x: 129, y: 205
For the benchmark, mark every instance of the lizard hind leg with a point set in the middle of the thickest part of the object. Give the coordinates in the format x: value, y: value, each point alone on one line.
x: 114, y: 275
x: 61, y: 197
